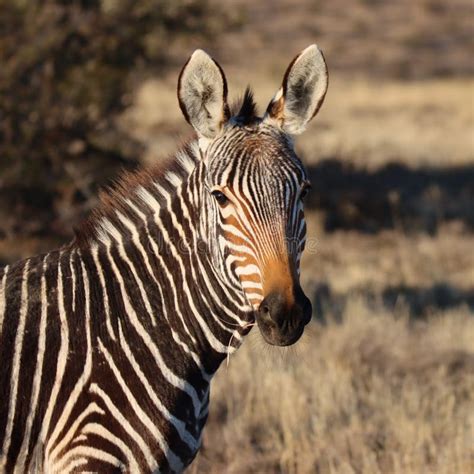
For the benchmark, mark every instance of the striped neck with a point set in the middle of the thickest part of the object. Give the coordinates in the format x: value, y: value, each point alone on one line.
x: 149, y: 241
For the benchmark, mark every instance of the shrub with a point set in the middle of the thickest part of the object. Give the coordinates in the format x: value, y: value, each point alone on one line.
x: 67, y: 69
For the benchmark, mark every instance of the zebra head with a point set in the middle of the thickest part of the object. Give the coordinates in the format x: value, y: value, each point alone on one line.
x: 253, y: 186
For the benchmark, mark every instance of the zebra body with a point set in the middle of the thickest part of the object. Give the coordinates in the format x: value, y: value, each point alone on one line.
x: 109, y: 344
x: 99, y: 314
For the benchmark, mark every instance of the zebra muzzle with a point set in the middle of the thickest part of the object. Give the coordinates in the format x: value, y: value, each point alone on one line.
x: 280, y: 323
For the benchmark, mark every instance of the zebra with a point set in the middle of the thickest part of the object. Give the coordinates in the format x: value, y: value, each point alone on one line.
x: 108, y: 344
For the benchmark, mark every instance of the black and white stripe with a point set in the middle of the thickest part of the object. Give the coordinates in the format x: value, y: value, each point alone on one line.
x: 108, y: 348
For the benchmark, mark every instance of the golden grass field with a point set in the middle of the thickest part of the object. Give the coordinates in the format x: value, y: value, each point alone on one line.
x: 373, y: 394
x: 383, y: 379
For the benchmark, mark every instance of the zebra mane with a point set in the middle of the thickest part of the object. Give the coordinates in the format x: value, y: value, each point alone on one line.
x: 115, y: 198
x: 244, y: 111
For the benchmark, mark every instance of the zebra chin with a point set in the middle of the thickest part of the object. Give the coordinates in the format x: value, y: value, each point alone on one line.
x: 281, y: 324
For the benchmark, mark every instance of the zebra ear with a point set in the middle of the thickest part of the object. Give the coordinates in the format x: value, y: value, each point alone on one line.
x: 202, y: 94
x: 302, y: 92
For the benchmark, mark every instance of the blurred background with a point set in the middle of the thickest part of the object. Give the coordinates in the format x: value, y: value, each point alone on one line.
x: 383, y: 380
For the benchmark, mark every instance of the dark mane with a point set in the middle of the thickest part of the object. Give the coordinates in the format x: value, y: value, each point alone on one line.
x: 114, y: 197
x: 244, y: 111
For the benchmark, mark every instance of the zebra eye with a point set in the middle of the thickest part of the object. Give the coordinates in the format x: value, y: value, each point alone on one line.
x: 304, y: 192
x: 221, y: 198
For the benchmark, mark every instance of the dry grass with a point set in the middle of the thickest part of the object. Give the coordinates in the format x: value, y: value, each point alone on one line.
x: 371, y: 392
x: 374, y: 394
x: 351, y: 261
x: 404, y: 39
x: 376, y: 391
x: 364, y: 122
x: 415, y: 123
x: 370, y: 115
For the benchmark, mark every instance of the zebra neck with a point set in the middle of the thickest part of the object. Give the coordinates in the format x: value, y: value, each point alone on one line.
x: 219, y: 314
x: 155, y: 270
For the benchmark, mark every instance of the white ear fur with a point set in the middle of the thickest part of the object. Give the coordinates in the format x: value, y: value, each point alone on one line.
x: 202, y: 94
x: 302, y: 92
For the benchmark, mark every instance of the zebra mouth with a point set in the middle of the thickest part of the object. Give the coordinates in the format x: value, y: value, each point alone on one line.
x: 276, y: 336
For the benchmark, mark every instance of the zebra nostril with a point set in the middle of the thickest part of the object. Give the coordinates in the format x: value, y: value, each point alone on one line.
x: 272, y: 309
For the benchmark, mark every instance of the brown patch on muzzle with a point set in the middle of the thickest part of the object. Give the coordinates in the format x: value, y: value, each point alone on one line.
x: 279, y: 277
